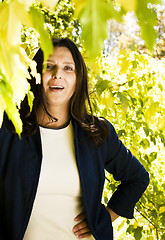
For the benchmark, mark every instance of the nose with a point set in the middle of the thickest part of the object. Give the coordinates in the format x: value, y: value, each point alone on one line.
x: 56, y: 73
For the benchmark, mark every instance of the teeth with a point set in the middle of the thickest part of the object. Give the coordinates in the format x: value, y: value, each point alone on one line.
x: 56, y: 87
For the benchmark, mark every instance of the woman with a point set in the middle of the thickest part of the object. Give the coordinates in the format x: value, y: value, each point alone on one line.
x: 51, y: 180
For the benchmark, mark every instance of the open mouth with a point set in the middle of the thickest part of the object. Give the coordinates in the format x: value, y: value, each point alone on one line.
x: 56, y: 87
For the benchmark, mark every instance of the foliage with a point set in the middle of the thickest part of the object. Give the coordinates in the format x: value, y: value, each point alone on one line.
x: 14, y: 61
x: 59, y: 23
x: 94, y: 14
x: 129, y: 89
x: 127, y: 34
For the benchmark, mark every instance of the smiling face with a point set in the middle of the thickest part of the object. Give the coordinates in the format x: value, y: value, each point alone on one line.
x: 59, y: 78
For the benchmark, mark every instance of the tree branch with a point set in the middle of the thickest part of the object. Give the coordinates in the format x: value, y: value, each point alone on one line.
x: 156, y: 229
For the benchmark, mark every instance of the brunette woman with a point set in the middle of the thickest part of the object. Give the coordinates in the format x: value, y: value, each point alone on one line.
x: 51, y: 180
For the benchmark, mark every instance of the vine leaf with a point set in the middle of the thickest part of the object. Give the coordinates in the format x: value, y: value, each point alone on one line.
x: 94, y: 17
x: 38, y: 23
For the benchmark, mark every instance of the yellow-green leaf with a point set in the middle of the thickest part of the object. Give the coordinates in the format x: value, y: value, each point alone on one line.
x: 29, y: 63
x: 94, y: 24
x: 162, y: 209
x: 147, y: 20
x: 151, y: 112
x: 14, y: 25
x: 79, y: 5
x: 49, y: 3
x: 145, y: 143
x: 2, y: 108
x: 38, y: 23
x: 14, y: 116
x: 107, y: 100
x: 30, y: 96
x: 21, y: 13
x: 129, y: 5
x: 11, y: 109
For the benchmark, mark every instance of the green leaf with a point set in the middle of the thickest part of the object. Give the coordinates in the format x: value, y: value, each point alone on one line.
x: 49, y: 4
x: 130, y: 229
x: 94, y: 18
x: 30, y: 97
x: 154, y: 213
x: 153, y: 156
x: 146, y: 130
x: 79, y: 5
x: 129, y: 5
x: 163, y: 218
x: 153, y: 139
x: 121, y: 132
x: 14, y: 116
x: 101, y: 85
x: 105, y: 199
x: 38, y: 23
x: 11, y: 109
x: 145, y: 143
x: 138, y: 233
x: 147, y: 20
x: 135, y: 64
x: 123, y: 98
x: 155, y: 1
x: 137, y: 124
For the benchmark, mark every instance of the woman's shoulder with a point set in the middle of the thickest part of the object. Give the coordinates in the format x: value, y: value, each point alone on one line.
x: 100, y: 129
x: 6, y: 127
x: 5, y: 122
x: 105, y: 122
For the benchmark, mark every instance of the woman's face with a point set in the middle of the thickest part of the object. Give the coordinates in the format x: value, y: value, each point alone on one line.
x: 59, y: 78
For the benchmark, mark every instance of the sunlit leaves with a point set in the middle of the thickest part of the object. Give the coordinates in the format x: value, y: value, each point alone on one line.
x: 38, y: 23
x: 129, y: 5
x: 93, y: 17
x: 49, y: 3
x: 13, y: 83
x: 6, y: 95
x: 14, y: 86
x: 79, y: 5
x: 137, y: 232
x: 128, y: 89
x: 30, y: 96
x: 151, y: 111
x: 147, y: 20
x: 107, y: 99
x: 2, y: 108
x: 12, y: 16
x: 14, y: 62
x: 135, y: 82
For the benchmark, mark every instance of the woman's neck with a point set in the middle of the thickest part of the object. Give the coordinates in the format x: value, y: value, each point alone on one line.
x: 53, y: 117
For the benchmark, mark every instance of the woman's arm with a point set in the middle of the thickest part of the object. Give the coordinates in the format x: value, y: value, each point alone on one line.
x: 125, y: 168
x: 113, y: 215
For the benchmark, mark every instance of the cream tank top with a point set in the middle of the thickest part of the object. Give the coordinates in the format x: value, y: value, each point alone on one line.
x: 59, y: 198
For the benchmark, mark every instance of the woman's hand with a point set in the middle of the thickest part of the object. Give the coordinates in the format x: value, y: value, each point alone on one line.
x: 81, y: 229
x: 113, y: 215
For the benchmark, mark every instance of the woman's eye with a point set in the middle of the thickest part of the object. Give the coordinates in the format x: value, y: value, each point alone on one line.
x: 49, y: 67
x: 68, y: 68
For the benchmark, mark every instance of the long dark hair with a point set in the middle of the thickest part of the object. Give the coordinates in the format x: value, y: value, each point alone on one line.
x: 95, y: 128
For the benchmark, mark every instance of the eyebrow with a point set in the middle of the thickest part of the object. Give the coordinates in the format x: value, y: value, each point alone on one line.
x: 63, y: 62
x: 69, y: 63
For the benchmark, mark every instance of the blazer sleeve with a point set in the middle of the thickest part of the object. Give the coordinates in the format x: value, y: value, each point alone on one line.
x: 125, y: 168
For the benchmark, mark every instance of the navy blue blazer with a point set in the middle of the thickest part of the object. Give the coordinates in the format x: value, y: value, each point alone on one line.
x: 20, y: 164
